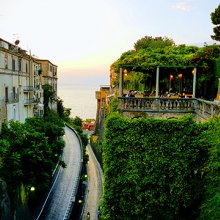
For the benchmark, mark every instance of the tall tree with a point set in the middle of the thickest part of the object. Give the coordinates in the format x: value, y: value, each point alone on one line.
x: 49, y: 96
x: 150, y: 42
x: 215, y: 17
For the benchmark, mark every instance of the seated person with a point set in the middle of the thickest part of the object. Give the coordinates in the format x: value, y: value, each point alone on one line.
x: 131, y: 93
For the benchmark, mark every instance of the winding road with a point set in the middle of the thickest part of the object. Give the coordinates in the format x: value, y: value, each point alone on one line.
x: 95, y: 186
x: 64, y: 189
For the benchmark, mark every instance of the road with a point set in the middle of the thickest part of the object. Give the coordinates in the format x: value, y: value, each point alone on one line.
x: 95, y: 185
x: 65, y: 184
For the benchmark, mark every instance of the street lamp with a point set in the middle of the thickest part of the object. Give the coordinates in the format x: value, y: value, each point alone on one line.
x: 180, y: 76
x: 171, y: 79
x: 32, y: 189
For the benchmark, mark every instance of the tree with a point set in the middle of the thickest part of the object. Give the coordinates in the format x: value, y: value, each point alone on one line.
x: 49, y: 96
x: 63, y: 112
x: 210, y: 208
x: 215, y: 17
x: 150, y: 42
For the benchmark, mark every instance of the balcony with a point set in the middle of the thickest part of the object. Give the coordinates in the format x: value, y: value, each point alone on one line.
x: 30, y: 102
x: 207, y: 109
x: 28, y: 88
x: 203, y: 108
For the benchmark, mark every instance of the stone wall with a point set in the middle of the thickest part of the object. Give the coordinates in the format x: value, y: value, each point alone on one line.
x: 4, y: 202
x: 168, y: 115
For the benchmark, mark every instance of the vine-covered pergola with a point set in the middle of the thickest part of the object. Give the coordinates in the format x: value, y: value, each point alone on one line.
x: 157, y: 72
x: 157, y: 63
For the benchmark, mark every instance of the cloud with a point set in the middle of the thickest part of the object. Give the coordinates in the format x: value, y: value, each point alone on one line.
x: 184, y: 6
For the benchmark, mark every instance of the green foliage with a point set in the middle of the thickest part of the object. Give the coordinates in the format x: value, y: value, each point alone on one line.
x: 113, y: 104
x: 149, y: 42
x: 141, y: 65
x: 215, y: 17
x: 134, y: 81
x: 210, y: 208
x: 64, y: 113
x: 76, y: 121
x: 144, y: 60
x: 153, y: 168
x: 205, y: 57
x: 29, y: 153
x: 53, y: 126
x: 49, y: 96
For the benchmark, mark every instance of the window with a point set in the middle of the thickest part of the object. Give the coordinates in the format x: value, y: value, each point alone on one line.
x: 13, y: 64
x: 14, y: 93
x: 54, y: 71
x: 19, y: 65
x: 6, y: 94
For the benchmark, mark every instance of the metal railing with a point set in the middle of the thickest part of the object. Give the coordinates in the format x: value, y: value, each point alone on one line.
x: 30, y: 101
x: 28, y: 88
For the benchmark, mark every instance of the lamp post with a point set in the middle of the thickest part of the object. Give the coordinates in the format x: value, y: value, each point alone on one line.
x: 120, y: 82
x: 180, y: 76
x: 157, y: 82
x: 171, y: 79
x: 125, y: 74
x: 194, y: 83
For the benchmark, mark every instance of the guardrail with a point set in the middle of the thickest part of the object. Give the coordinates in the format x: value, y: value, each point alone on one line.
x: 74, y: 188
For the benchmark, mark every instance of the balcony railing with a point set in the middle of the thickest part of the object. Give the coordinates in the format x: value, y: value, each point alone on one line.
x: 157, y: 104
x: 30, y: 101
x: 207, y: 109
x: 28, y: 88
x: 173, y: 105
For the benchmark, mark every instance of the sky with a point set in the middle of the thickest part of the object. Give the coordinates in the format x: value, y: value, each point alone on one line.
x: 84, y: 37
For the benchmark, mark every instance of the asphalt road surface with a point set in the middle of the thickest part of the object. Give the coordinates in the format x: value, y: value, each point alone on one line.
x: 65, y: 185
x: 95, y: 185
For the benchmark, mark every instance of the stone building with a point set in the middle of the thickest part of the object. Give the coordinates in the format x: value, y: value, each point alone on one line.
x: 21, y: 93
x: 102, y: 98
x: 49, y: 76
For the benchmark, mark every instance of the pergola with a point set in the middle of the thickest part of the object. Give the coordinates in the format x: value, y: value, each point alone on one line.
x: 157, y: 72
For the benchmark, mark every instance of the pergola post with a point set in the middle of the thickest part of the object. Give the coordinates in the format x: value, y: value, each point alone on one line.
x: 121, y: 82
x: 194, y: 83
x: 157, y: 82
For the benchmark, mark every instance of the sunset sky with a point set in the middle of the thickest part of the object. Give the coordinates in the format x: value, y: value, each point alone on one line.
x: 85, y: 37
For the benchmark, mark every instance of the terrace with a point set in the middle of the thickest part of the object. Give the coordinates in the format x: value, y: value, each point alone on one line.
x: 177, y: 103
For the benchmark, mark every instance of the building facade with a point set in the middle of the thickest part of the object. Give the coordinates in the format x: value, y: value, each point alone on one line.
x: 101, y: 97
x: 49, y: 76
x: 21, y: 93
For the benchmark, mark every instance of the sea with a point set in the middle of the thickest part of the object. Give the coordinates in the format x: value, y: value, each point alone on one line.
x: 78, y: 94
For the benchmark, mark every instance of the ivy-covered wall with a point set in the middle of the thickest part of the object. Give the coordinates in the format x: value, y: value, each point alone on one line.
x: 217, y: 67
x: 153, y: 168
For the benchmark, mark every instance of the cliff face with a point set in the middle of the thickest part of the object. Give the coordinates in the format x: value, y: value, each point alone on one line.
x: 4, y: 201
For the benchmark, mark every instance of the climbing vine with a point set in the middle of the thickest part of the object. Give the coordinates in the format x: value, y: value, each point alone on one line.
x: 153, y: 168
